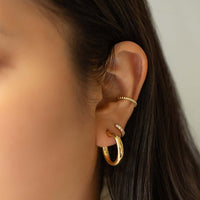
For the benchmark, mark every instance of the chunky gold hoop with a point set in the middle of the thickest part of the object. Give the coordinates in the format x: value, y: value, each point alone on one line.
x: 129, y: 99
x: 120, y: 150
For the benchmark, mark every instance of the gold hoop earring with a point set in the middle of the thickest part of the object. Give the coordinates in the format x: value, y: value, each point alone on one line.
x: 127, y: 98
x: 120, y: 150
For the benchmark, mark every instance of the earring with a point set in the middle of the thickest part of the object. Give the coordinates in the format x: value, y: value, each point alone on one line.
x: 120, y: 147
x: 121, y: 129
x: 120, y: 150
x: 129, y: 99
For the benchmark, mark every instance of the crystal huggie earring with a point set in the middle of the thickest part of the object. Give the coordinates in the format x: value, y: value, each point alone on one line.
x: 120, y: 148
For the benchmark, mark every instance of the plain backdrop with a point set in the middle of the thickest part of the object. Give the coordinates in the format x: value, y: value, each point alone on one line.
x: 178, y: 27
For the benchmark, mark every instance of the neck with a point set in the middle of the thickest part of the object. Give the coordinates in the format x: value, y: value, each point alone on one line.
x: 93, y: 189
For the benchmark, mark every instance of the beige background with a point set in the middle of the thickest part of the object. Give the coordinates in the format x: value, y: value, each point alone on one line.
x: 178, y: 26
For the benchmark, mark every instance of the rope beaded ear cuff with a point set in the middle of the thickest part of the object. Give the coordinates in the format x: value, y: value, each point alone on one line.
x: 120, y: 148
x: 129, y: 99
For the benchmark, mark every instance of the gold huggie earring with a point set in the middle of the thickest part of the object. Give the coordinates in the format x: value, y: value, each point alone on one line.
x: 120, y: 150
x: 121, y: 129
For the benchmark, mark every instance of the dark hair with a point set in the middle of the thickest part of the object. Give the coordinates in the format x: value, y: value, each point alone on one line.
x: 161, y: 160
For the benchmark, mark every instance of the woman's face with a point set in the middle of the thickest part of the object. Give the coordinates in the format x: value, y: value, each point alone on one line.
x: 47, y: 150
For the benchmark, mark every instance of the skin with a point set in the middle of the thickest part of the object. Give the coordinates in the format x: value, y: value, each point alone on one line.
x: 48, y: 148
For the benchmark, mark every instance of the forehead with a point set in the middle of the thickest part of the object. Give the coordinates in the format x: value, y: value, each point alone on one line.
x: 19, y: 18
x: 13, y: 13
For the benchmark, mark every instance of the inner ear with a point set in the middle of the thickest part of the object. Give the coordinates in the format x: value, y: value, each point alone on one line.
x: 110, y: 89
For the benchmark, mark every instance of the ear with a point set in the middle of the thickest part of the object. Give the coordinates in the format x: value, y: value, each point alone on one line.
x: 124, y: 78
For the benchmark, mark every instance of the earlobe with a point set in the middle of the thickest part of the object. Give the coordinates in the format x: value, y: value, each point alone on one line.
x: 128, y: 75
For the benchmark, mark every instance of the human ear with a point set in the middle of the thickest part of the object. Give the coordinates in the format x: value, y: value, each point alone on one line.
x: 125, y: 78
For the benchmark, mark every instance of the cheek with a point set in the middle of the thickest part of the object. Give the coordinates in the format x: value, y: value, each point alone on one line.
x: 38, y: 129
x: 34, y: 102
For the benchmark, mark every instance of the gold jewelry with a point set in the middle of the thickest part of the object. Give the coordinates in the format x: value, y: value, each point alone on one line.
x: 129, y: 99
x: 121, y: 129
x: 120, y: 150
x: 120, y: 147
